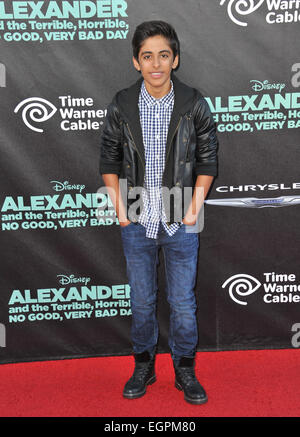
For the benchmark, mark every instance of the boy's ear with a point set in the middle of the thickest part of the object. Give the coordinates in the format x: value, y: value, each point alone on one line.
x: 175, y: 62
x: 136, y: 64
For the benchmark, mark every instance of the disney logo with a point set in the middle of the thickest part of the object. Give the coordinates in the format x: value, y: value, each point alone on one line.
x: 265, y: 85
x: 61, y: 186
x: 72, y: 280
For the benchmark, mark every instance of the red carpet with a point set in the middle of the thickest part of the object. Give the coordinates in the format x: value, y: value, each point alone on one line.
x: 239, y: 384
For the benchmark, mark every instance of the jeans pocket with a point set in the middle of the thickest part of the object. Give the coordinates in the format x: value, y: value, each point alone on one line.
x: 191, y: 229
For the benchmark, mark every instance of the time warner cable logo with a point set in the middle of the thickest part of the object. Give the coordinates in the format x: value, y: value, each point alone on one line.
x: 240, y: 8
x: 241, y: 285
x: 35, y: 109
x: 279, y: 11
x: 77, y: 113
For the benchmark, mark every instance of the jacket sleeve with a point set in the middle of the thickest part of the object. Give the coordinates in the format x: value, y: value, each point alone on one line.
x: 207, y: 142
x: 111, y: 151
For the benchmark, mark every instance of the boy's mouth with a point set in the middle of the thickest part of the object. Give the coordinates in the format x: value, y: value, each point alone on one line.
x: 156, y: 75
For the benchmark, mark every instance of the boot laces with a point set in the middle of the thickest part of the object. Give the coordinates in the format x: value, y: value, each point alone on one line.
x: 187, y: 375
x: 140, y: 371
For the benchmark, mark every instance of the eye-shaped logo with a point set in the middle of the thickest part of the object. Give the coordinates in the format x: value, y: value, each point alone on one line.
x: 241, y: 285
x: 241, y: 7
x: 35, y: 109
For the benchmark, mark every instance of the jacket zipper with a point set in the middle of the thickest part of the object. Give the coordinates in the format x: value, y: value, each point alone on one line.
x: 135, y: 145
x: 187, y: 144
x: 173, y: 137
x: 172, y: 140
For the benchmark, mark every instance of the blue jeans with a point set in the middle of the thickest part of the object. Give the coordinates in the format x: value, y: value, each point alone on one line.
x: 180, y: 259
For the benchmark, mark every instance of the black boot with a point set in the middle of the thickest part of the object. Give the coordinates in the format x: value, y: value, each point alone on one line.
x: 186, y: 380
x: 143, y: 375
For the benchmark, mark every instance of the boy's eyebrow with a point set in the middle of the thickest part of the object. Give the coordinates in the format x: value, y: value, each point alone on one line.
x: 161, y: 51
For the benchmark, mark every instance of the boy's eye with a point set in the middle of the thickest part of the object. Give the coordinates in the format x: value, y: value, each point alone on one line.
x: 148, y: 57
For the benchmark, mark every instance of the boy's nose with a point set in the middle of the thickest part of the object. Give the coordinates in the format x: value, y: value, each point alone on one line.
x: 156, y: 62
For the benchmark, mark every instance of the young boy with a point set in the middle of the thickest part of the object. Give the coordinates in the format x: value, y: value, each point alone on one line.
x: 160, y: 134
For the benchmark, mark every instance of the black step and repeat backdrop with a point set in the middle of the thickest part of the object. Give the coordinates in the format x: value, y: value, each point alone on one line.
x: 64, y: 291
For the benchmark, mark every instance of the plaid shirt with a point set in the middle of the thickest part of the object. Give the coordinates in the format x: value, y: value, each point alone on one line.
x: 155, y: 115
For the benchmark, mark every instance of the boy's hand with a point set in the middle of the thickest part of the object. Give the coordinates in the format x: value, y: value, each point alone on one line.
x: 124, y: 224
x: 188, y: 221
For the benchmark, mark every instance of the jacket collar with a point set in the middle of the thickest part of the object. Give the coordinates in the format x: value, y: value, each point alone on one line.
x: 129, y: 97
x: 128, y: 102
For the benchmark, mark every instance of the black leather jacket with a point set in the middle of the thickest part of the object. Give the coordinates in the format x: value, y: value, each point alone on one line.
x: 191, y: 148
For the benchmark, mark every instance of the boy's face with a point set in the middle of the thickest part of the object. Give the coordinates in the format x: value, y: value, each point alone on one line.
x: 156, y: 62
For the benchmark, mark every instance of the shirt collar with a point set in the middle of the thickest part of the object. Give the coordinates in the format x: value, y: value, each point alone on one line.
x: 150, y: 100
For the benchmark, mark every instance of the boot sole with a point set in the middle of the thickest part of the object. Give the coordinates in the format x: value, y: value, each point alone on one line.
x: 141, y: 393
x: 190, y: 400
